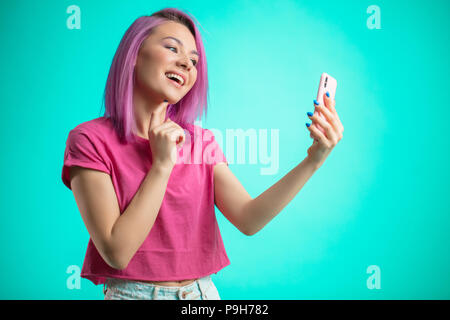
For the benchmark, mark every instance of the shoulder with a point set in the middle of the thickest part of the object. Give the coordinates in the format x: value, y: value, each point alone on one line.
x: 93, y: 136
x: 97, y: 129
x: 100, y: 125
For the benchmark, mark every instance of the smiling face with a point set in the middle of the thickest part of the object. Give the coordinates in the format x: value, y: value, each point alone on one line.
x: 159, y: 55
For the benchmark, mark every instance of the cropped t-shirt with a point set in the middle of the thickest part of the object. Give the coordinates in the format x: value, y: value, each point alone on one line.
x: 185, y: 241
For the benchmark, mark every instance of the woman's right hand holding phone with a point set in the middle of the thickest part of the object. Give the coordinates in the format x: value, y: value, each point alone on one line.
x: 324, y: 142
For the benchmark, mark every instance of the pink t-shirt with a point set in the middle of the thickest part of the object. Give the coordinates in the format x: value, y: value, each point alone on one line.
x: 185, y: 241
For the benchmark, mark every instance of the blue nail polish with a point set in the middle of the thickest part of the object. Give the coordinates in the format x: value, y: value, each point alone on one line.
x: 316, y: 103
x: 328, y: 94
x: 310, y: 114
x: 307, y: 124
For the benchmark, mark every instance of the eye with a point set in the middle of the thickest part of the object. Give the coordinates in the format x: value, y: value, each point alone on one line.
x: 194, y: 62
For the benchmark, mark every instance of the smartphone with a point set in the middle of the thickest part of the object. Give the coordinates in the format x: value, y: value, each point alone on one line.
x: 327, y: 83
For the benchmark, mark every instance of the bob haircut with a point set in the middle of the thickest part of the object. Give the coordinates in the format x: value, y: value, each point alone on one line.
x: 118, y: 95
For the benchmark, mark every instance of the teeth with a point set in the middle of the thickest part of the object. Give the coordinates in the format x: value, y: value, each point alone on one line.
x: 175, y: 76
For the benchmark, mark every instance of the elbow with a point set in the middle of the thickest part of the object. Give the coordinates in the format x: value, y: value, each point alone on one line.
x: 246, y: 225
x: 247, y: 232
x: 116, y: 261
x: 120, y: 262
x: 250, y: 229
x: 117, y: 264
x: 244, y: 229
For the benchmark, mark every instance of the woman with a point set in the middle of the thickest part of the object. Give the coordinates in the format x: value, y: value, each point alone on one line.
x: 150, y: 216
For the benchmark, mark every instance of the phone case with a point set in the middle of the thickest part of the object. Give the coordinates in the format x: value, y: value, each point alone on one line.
x: 327, y: 83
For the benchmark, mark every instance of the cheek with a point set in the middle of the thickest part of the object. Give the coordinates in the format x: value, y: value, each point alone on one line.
x: 150, y: 66
x: 160, y: 57
x: 155, y: 61
x: 194, y: 79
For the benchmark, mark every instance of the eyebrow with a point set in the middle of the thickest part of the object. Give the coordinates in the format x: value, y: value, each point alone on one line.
x: 181, y: 43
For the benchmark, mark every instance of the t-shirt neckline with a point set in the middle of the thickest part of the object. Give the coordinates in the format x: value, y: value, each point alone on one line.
x: 139, y: 138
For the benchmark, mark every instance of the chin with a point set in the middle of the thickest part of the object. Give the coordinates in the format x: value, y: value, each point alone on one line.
x: 173, y: 100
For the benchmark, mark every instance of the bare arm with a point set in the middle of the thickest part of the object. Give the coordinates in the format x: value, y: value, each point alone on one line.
x: 259, y: 211
x: 251, y: 215
x: 117, y: 237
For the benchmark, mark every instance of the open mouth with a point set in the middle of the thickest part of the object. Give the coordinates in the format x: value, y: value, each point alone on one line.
x: 175, y: 79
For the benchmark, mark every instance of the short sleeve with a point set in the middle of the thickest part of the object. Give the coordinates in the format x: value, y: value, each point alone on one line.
x: 213, y: 152
x: 83, y: 150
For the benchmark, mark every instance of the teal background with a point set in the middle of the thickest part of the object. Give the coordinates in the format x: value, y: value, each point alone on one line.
x: 381, y: 198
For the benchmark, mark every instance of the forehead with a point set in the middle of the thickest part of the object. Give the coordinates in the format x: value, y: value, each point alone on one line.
x: 177, y: 30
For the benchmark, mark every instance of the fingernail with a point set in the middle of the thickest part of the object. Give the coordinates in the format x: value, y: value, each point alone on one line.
x: 307, y: 124
x: 328, y: 94
x: 310, y: 114
x: 316, y: 103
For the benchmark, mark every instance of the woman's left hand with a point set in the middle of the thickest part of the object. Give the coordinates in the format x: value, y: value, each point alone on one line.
x: 324, y: 143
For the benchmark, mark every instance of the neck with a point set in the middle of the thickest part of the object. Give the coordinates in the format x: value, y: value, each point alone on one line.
x: 143, y: 108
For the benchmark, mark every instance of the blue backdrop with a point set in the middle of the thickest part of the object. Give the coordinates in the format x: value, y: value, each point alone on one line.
x: 371, y: 223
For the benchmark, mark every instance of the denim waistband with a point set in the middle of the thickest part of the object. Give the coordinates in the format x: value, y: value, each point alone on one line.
x: 203, y: 283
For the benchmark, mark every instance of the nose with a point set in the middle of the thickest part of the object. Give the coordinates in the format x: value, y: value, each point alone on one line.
x: 185, y: 62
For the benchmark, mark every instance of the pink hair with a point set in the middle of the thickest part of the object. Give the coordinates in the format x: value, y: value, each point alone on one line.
x: 118, y: 95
